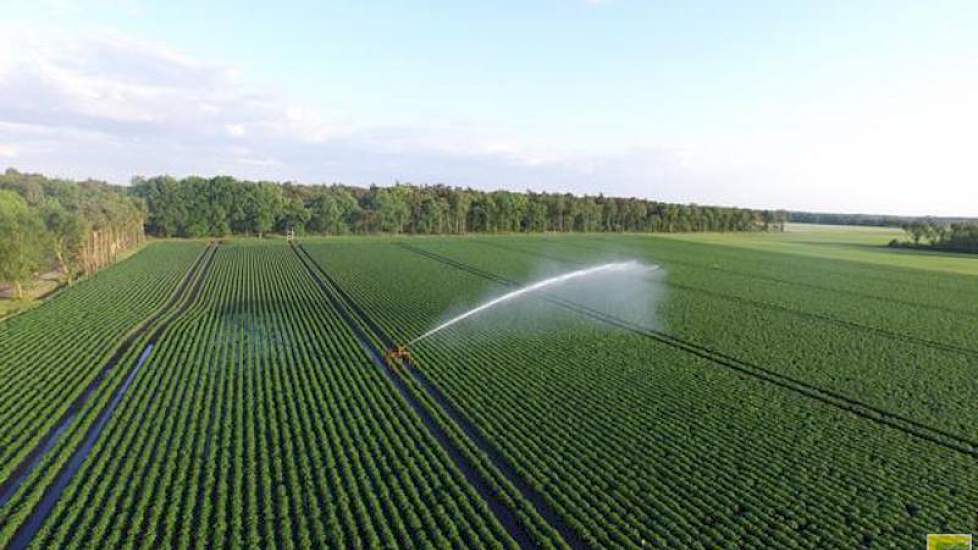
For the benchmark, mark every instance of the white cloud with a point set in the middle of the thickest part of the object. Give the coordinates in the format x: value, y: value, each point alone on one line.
x: 263, y: 162
x: 235, y: 130
x: 8, y: 151
x: 108, y: 91
x: 108, y: 106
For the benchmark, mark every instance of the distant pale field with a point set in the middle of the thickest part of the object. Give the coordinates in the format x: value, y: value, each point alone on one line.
x: 860, y: 244
x: 837, y: 242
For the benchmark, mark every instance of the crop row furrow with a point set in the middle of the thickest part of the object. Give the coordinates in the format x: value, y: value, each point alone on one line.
x: 51, y: 359
x: 635, y: 441
x: 762, y: 304
x: 349, y: 309
x: 146, y: 335
x: 934, y: 434
x: 258, y: 422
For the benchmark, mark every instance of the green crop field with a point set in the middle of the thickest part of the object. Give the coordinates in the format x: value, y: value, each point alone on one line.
x: 808, y: 389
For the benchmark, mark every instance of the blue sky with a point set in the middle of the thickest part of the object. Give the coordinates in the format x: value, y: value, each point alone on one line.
x: 841, y: 106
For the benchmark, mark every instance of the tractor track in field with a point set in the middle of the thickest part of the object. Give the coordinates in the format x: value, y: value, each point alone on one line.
x: 349, y: 309
x: 875, y: 414
x: 187, y: 294
x: 23, y: 470
x: 813, y: 286
x: 899, y: 336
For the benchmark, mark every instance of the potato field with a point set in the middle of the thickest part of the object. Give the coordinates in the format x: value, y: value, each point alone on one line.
x: 237, y: 394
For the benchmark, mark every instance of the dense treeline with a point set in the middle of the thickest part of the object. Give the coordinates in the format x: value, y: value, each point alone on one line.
x: 78, y: 227
x: 198, y: 207
x: 957, y: 237
x: 876, y: 220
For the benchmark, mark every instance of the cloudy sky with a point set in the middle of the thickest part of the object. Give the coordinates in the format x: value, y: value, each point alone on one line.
x: 833, y: 106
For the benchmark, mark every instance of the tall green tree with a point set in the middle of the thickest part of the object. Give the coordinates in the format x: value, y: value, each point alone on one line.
x: 66, y: 232
x: 392, y: 208
x: 263, y: 205
x: 21, y: 231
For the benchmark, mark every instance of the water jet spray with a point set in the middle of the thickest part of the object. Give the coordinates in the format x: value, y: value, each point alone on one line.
x: 401, y: 352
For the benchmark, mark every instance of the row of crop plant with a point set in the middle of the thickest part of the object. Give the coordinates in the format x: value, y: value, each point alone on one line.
x: 635, y: 442
x: 52, y: 354
x: 258, y: 421
x: 911, y: 302
x: 32, y: 483
x: 925, y: 381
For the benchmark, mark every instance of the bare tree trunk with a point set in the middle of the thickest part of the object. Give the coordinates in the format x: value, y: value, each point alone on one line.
x: 88, y: 253
x: 97, y: 251
x: 111, y: 246
x: 63, y: 264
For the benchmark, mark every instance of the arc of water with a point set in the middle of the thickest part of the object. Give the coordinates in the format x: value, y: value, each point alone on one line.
x: 609, y: 267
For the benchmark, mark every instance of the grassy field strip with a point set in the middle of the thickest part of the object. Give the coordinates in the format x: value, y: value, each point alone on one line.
x: 343, y: 301
x: 862, y: 244
x: 901, y: 336
x: 936, y: 435
x: 147, y: 336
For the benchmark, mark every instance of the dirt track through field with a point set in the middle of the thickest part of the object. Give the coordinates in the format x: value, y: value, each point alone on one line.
x: 909, y: 426
x: 187, y: 293
x: 349, y: 309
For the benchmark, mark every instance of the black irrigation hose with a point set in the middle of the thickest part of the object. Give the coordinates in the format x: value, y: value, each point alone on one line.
x: 347, y: 309
x: 935, y: 435
x: 25, y: 533
x: 899, y: 336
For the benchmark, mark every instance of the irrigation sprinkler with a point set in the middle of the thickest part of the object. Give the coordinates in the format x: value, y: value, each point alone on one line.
x: 398, y: 354
x: 539, y: 285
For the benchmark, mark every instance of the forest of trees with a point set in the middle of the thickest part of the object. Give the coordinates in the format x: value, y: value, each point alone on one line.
x: 956, y: 237
x: 79, y: 227
x: 199, y: 207
x: 878, y: 220
x: 75, y: 227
